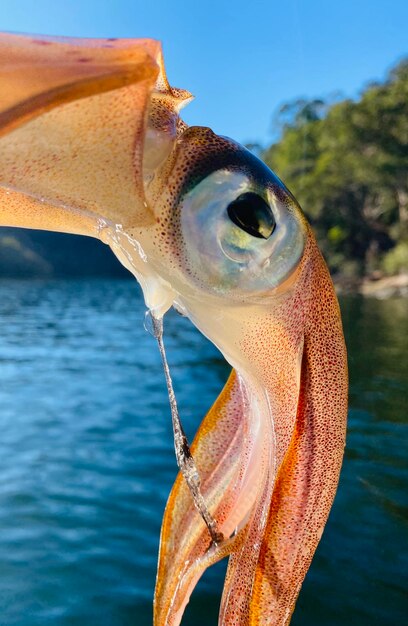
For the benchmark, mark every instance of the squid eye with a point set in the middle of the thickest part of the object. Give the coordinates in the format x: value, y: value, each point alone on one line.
x: 252, y: 213
x: 227, y: 220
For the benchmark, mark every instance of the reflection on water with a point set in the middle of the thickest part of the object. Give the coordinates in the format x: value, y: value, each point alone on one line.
x: 86, y: 460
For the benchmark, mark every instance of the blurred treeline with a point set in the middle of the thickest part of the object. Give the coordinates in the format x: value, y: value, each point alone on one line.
x: 347, y: 164
x: 345, y: 161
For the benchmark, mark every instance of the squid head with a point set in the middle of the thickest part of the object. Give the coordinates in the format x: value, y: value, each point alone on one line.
x: 91, y: 143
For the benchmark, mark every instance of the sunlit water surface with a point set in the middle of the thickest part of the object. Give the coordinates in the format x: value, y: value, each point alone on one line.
x: 86, y: 460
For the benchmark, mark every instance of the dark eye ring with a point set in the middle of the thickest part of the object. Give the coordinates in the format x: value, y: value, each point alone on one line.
x: 252, y: 213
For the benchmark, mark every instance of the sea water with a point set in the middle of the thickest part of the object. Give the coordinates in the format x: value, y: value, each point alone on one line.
x: 87, y: 460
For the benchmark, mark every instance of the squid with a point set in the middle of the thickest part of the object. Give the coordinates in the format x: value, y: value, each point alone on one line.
x: 91, y: 143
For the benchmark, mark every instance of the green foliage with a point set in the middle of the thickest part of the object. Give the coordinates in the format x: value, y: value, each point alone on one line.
x: 396, y: 260
x: 347, y: 164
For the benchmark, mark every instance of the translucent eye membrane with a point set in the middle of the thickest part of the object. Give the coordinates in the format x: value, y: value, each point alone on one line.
x: 185, y: 460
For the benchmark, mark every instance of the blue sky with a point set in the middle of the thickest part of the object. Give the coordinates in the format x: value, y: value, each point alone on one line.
x: 240, y: 59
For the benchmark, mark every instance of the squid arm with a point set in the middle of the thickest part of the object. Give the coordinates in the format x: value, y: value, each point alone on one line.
x: 87, y: 130
x: 279, y: 492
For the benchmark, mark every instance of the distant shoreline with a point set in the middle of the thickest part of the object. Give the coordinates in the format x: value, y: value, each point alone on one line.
x: 384, y: 287
x: 31, y: 255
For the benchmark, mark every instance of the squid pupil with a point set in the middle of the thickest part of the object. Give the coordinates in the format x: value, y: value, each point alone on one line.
x: 252, y: 214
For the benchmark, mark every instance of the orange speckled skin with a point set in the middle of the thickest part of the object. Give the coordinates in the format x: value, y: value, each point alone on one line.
x: 38, y: 73
x: 91, y: 143
x: 310, y: 445
x: 72, y: 123
x: 309, y: 408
